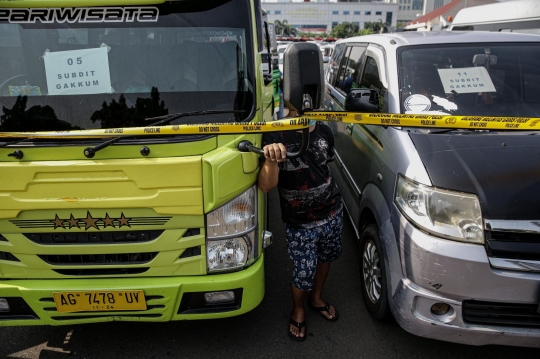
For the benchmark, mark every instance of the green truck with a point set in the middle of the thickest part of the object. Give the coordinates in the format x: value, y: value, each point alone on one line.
x: 140, y: 228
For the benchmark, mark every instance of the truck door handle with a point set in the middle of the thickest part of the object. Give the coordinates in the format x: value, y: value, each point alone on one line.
x: 247, y: 146
x: 349, y: 128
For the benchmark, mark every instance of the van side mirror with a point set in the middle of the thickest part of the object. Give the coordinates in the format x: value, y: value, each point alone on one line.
x: 362, y: 100
x: 303, y: 77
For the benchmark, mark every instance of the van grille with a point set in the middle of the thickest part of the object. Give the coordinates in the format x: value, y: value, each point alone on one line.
x: 513, y: 245
x: 501, y: 314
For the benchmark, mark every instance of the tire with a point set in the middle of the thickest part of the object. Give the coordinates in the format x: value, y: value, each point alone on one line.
x: 373, y: 276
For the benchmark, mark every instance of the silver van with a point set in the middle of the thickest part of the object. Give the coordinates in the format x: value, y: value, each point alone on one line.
x: 448, y: 220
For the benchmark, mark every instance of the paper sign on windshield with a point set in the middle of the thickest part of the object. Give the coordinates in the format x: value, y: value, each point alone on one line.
x: 78, y: 72
x: 466, y: 80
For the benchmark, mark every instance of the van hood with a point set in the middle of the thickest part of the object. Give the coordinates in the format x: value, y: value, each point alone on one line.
x: 502, y: 169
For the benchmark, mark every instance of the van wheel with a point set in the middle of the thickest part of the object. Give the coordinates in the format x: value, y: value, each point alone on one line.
x: 373, y: 274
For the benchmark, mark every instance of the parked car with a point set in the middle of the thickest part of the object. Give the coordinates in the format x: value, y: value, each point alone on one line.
x: 448, y: 220
x: 281, y: 50
x: 327, y: 52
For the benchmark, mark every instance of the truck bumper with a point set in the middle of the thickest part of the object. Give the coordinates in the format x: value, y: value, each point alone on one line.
x: 167, y: 298
x: 487, y: 305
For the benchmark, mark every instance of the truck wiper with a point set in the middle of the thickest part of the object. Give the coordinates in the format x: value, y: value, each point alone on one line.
x: 90, y: 152
x: 169, y: 118
x: 7, y: 143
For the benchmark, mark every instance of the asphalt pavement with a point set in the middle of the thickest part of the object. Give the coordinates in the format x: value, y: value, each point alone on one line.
x: 258, y: 334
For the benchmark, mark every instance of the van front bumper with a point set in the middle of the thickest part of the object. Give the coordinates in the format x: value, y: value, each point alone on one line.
x: 167, y: 298
x: 459, y: 274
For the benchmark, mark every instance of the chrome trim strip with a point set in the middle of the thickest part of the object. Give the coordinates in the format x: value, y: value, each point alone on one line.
x: 351, y: 219
x: 267, y: 239
x: 357, y: 190
x: 515, y: 264
x: 512, y: 226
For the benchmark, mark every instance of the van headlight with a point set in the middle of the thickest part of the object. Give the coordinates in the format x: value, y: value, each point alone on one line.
x: 444, y: 213
x: 231, y: 234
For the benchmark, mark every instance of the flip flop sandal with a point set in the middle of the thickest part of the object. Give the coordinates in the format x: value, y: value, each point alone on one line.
x: 299, y: 326
x: 326, y: 308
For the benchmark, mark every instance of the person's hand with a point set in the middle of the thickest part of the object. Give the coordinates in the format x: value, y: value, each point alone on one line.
x: 275, y: 152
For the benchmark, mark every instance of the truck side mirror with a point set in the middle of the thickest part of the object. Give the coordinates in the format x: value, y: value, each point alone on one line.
x: 303, y: 77
x: 362, y: 100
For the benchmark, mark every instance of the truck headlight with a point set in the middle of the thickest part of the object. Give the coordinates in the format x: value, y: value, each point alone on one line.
x: 231, y: 233
x: 444, y: 213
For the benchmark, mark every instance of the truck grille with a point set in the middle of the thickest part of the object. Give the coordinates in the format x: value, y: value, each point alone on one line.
x: 6, y: 256
x: 501, y: 314
x: 101, y: 271
x: 100, y: 259
x: 94, y: 237
x: 106, y: 253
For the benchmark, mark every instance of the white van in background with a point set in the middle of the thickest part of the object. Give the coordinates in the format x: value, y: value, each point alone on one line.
x: 521, y: 16
x: 281, y: 49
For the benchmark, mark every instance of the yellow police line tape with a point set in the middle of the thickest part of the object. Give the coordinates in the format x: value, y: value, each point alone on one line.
x: 298, y: 123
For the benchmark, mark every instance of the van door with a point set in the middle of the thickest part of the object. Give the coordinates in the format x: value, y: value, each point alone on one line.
x: 347, y: 78
x: 358, y: 145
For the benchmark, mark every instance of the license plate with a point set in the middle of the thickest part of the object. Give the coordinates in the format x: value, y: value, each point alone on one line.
x: 99, y: 301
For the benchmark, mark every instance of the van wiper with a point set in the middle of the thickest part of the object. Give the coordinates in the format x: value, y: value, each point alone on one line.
x: 90, y: 152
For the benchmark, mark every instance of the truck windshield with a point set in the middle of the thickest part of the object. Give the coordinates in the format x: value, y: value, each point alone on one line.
x: 489, y: 79
x: 104, y: 67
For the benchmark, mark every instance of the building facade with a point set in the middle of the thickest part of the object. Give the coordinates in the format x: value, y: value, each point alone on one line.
x: 322, y: 17
x: 408, y: 10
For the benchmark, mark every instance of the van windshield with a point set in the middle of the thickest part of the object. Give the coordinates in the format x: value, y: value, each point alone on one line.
x: 489, y: 79
x: 104, y: 67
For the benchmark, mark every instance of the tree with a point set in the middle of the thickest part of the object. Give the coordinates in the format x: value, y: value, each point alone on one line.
x: 278, y: 27
x: 36, y: 118
x: 344, y: 30
x: 377, y: 27
x: 119, y: 114
x: 363, y: 32
x: 283, y: 28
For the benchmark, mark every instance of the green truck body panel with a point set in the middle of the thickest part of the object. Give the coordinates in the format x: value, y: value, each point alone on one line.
x: 164, y: 296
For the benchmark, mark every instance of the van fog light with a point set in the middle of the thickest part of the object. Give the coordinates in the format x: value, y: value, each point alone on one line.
x: 219, y: 297
x: 440, y: 308
x: 4, y: 305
